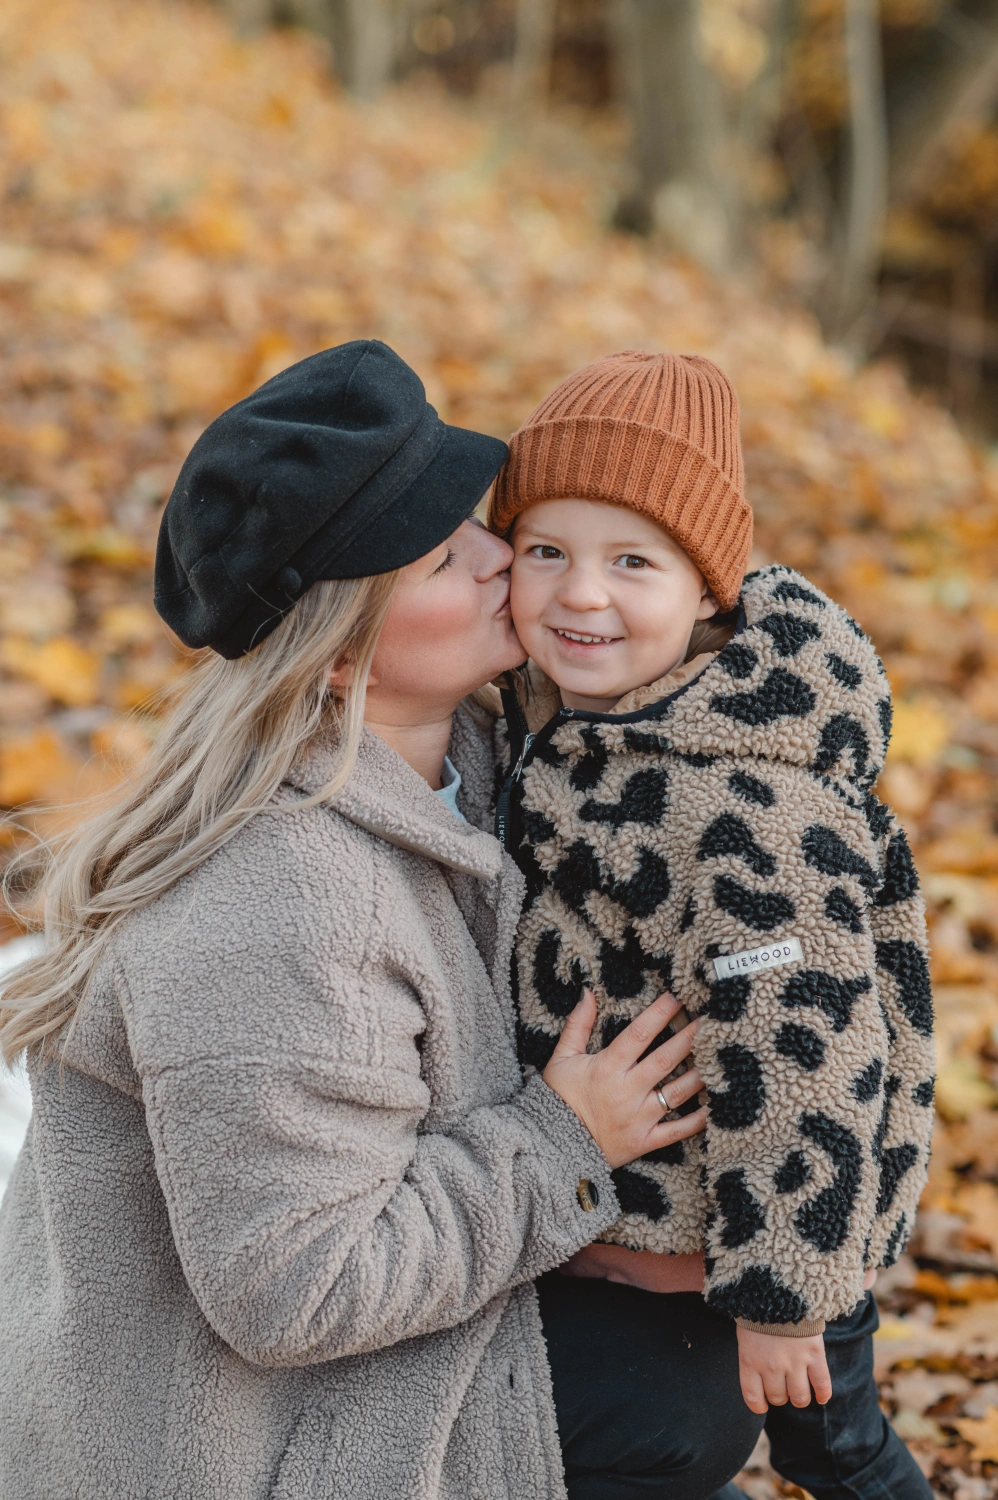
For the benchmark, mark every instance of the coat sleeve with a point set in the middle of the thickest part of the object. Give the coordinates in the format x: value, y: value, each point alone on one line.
x: 801, y: 1025
x: 320, y: 1208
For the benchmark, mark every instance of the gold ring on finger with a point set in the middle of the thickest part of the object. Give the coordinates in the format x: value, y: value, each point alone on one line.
x: 660, y: 1096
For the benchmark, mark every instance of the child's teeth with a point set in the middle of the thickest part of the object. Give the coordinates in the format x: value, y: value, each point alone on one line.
x: 587, y: 640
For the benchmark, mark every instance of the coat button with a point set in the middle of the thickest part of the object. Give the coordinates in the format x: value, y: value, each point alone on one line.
x: 587, y: 1194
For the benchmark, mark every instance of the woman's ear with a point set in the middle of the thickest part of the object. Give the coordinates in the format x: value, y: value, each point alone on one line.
x: 341, y: 677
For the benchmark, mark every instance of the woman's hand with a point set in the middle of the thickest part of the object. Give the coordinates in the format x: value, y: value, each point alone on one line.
x: 613, y: 1091
x: 775, y: 1370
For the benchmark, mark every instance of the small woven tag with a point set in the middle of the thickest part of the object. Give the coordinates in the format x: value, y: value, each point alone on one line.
x: 769, y: 957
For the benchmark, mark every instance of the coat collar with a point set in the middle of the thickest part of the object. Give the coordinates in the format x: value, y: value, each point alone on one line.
x: 388, y: 798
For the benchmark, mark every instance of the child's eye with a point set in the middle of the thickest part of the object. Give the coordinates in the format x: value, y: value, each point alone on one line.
x: 631, y: 560
x: 549, y: 553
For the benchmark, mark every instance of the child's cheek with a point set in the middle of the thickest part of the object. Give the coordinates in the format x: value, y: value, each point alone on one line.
x: 524, y: 602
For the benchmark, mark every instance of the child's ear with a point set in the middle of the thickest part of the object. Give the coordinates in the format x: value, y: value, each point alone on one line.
x: 708, y: 604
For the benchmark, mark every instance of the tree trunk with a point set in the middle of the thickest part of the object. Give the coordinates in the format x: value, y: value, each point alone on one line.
x: 947, y: 77
x: 866, y: 193
x: 678, y: 130
x: 530, y: 82
x: 365, y: 35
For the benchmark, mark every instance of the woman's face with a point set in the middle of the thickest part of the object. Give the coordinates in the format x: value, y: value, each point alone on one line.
x: 449, y: 629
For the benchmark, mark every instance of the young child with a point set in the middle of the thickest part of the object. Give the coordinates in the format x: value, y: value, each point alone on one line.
x: 690, y: 796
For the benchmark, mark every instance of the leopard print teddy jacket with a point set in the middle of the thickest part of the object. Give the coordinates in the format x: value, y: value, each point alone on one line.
x: 726, y: 842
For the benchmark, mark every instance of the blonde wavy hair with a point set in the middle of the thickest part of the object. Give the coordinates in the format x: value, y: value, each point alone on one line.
x: 235, y: 730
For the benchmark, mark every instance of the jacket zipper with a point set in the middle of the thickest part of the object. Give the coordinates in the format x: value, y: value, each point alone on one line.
x: 518, y: 727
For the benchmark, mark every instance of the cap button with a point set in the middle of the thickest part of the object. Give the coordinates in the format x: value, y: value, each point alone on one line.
x: 288, y: 581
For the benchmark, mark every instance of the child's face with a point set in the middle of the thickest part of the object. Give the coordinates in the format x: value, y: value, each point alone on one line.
x: 602, y: 598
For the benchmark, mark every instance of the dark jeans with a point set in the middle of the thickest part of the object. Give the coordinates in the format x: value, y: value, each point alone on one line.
x: 645, y: 1390
x: 846, y: 1450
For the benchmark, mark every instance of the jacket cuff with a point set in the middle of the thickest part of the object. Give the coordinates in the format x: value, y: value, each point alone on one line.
x: 583, y: 1173
x: 804, y: 1330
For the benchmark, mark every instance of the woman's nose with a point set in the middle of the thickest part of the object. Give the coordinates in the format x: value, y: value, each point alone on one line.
x: 492, y: 554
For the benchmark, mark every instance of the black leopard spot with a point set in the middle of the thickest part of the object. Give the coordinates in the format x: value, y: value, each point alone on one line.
x: 738, y: 660
x: 637, y: 1194
x: 895, y: 1162
x: 780, y: 696
x: 730, y: 834
x: 612, y: 1027
x: 793, y: 1174
x: 905, y: 962
x: 843, y: 732
x: 642, y: 800
x: 896, y: 1242
x: 742, y: 1102
x: 791, y: 590
x: 559, y: 995
x: 576, y: 874
x: 842, y: 909
x: 548, y: 753
x: 789, y: 632
x: 825, y: 1218
x: 588, y: 771
x: 844, y: 671
x: 640, y: 743
x: 885, y: 713
x: 762, y: 910
x: 750, y: 789
x: 646, y: 889
x: 667, y: 1156
x: 759, y: 1296
x: 925, y: 1092
x: 623, y: 969
x: 537, y: 827
x: 741, y: 1210
x: 836, y: 997
x: 825, y: 851
x: 696, y: 758
x: 877, y: 815
x: 900, y: 877
x: 729, y: 997
x: 856, y: 628
x: 866, y: 1085
x: 802, y: 1045
x: 689, y: 914
x: 535, y: 1046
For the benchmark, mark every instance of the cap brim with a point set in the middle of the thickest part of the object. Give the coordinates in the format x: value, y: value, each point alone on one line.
x: 428, y: 510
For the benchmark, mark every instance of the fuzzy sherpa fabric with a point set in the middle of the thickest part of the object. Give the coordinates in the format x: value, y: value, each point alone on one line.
x: 733, y: 818
x: 274, y: 1228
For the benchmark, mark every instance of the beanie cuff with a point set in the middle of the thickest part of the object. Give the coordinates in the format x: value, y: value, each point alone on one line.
x: 620, y: 462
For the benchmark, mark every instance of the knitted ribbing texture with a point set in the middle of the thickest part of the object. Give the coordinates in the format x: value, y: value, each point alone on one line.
x: 657, y: 433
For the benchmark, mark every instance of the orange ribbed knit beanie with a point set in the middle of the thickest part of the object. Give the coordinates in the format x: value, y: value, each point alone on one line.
x: 655, y: 432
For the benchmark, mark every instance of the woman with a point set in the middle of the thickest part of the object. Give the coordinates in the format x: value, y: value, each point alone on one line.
x: 285, y: 1193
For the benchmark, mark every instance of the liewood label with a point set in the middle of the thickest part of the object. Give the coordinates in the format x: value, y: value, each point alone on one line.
x: 769, y: 957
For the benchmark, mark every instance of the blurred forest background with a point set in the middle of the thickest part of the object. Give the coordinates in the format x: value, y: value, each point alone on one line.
x: 194, y: 196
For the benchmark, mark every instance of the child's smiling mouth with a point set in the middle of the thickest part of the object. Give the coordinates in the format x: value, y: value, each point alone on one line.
x: 577, y: 638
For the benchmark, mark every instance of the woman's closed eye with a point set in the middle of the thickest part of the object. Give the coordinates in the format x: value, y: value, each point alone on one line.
x: 451, y: 554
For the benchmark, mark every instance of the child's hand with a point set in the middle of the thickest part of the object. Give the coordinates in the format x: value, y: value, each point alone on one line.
x: 775, y: 1370
x: 613, y: 1092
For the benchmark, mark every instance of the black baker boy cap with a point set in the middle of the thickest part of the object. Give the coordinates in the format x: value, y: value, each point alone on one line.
x: 336, y: 468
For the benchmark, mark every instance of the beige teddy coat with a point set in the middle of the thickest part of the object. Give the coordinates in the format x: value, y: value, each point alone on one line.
x: 274, y: 1228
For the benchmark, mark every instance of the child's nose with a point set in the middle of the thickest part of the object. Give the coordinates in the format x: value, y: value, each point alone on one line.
x: 582, y: 589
